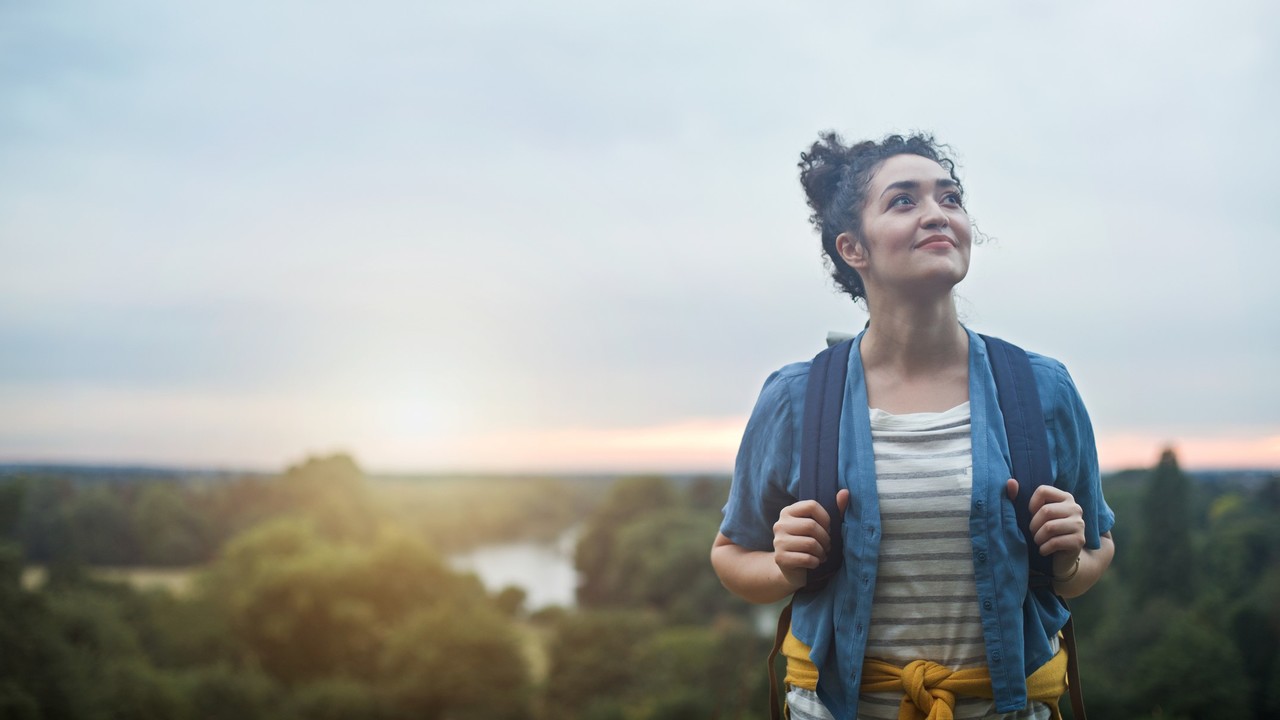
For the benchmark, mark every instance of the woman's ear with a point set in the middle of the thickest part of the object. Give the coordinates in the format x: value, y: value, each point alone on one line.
x: 853, y: 252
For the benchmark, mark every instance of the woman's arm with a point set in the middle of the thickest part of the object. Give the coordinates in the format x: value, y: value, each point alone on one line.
x: 801, y: 539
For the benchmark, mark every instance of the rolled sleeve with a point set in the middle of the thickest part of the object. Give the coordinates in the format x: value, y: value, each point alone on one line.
x: 1074, y: 451
x: 763, y: 472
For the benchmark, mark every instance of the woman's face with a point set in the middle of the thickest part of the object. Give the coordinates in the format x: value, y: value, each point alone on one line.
x: 915, y: 230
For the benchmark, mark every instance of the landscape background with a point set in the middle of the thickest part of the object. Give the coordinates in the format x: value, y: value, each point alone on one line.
x: 308, y: 311
x: 323, y: 592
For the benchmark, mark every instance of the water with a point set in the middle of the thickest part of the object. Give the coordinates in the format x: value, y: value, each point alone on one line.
x: 543, y: 570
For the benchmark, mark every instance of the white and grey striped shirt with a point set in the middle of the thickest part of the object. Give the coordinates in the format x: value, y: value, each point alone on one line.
x: 925, y: 604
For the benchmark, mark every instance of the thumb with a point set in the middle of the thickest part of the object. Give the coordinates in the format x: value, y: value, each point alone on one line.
x: 1011, y: 488
x: 842, y: 500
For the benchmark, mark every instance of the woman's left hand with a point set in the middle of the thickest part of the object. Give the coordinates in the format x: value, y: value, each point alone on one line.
x: 1057, y: 523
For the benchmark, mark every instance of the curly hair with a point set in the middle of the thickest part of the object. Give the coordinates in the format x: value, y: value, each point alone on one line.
x: 836, y: 177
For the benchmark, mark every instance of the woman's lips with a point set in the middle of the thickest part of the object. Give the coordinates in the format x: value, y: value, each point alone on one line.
x: 936, y: 241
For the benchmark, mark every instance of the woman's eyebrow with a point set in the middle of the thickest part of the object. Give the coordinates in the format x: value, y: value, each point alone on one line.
x: 913, y: 185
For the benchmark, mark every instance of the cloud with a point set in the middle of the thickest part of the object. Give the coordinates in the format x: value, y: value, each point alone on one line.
x: 580, y: 215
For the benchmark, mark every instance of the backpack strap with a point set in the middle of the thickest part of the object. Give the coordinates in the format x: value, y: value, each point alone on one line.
x: 1029, y: 453
x: 776, y: 704
x: 819, y: 479
x: 1028, y: 442
x: 820, y: 449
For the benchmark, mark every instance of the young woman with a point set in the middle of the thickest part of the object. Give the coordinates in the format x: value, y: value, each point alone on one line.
x: 930, y: 606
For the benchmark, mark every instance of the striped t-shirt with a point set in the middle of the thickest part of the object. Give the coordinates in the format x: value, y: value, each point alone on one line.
x: 925, y: 604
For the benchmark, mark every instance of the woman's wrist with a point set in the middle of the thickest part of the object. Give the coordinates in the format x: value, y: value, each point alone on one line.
x: 1069, y: 573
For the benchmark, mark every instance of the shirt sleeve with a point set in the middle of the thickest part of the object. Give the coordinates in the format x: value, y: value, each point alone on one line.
x: 762, y: 473
x: 1075, y: 454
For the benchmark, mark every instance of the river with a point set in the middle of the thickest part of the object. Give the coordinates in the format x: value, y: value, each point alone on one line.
x: 543, y: 570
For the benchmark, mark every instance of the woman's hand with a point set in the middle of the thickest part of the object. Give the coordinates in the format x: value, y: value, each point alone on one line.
x: 1057, y: 522
x: 802, y: 538
x: 1057, y: 526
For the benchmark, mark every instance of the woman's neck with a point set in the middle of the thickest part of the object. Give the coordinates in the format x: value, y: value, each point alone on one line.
x: 914, y: 338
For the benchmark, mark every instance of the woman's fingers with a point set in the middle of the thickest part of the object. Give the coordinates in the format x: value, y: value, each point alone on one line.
x: 800, y: 536
x: 1057, y: 521
x: 1061, y: 535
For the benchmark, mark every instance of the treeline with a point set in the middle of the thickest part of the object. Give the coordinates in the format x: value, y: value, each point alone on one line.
x: 1186, y: 624
x: 178, y: 522
x: 328, y: 599
x: 329, y: 605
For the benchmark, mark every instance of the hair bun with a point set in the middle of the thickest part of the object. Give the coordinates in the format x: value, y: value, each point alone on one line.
x: 822, y: 169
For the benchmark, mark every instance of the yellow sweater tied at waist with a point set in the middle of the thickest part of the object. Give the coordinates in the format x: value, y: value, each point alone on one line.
x: 929, y: 690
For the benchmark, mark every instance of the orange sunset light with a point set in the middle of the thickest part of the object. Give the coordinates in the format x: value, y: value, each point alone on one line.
x: 710, y: 444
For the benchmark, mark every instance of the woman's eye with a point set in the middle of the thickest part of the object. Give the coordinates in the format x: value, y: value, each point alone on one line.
x: 900, y: 201
x: 953, y: 199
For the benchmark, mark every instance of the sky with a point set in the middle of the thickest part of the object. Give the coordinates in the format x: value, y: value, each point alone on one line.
x: 569, y: 235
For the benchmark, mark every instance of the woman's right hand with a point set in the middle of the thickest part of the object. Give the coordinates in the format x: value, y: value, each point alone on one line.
x: 802, y: 538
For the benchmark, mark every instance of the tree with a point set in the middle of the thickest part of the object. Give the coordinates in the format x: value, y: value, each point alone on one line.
x: 1193, y: 671
x: 593, y: 660
x: 170, y: 528
x: 333, y: 492
x: 454, y: 661
x: 1165, y: 565
x: 629, y: 499
x: 659, y: 562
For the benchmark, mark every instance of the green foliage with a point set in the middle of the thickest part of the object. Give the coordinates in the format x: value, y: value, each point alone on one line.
x: 593, y: 659
x: 700, y: 672
x: 1164, y: 547
x: 170, y: 529
x: 37, y: 668
x: 646, y: 548
x: 338, y: 699
x: 456, y: 514
x: 318, y: 607
x: 1193, y: 671
x: 510, y: 600
x: 134, y: 690
x: 307, y: 607
x: 1187, y: 627
x: 631, y: 499
x: 660, y: 562
x: 450, y: 660
x: 224, y: 692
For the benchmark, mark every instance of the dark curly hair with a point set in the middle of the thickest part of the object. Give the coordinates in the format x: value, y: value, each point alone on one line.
x: 835, y: 177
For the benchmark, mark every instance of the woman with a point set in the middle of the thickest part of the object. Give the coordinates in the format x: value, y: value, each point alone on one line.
x: 934, y: 566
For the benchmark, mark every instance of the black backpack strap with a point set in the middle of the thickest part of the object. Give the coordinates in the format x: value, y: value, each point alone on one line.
x: 1029, y: 452
x: 819, y: 478
x: 820, y: 448
x: 1028, y: 441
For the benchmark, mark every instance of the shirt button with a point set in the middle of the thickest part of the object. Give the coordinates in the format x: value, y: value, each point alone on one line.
x: 995, y: 656
x: 986, y: 604
x: 978, y: 504
x: 982, y: 557
x: 866, y: 580
x: 859, y: 628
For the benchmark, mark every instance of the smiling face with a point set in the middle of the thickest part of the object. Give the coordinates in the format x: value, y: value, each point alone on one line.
x: 915, y: 235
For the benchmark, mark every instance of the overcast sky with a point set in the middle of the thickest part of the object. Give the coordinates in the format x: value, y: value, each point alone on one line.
x: 569, y: 234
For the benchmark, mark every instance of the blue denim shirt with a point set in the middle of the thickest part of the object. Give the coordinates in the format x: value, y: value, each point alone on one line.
x: 1018, y: 627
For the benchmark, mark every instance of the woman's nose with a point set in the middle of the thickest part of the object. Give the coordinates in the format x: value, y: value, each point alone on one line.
x: 932, y: 216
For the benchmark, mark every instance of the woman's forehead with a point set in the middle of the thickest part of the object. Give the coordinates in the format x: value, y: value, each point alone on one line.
x: 907, y: 167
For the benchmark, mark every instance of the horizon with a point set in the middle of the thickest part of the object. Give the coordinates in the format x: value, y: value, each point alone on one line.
x: 480, y: 472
